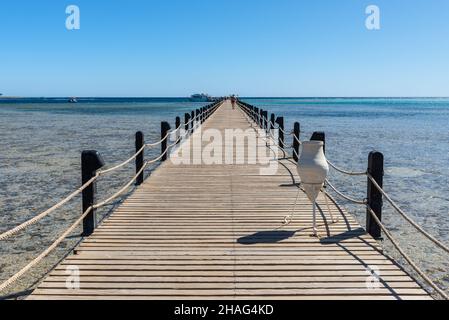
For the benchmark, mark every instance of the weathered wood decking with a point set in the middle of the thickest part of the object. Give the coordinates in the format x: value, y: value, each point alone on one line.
x: 212, y: 232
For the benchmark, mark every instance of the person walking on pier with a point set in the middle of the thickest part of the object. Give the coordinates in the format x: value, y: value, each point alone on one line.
x: 233, y: 101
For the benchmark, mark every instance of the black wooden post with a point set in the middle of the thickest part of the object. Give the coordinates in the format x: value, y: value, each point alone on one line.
x: 139, y: 157
x: 192, y: 116
x: 178, y: 129
x: 197, y: 114
x: 186, y: 121
x: 165, y: 128
x: 202, y: 114
x: 280, y: 122
x: 91, y: 161
x: 319, y: 136
x: 178, y: 123
x: 260, y: 120
x: 256, y: 112
x: 296, y: 133
x: 272, y: 121
x: 374, y: 196
x: 265, y: 120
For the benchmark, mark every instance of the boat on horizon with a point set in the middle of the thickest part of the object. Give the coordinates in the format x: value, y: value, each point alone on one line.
x: 73, y: 100
x: 201, y: 97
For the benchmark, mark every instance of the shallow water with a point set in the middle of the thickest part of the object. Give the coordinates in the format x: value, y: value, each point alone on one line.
x: 42, y: 141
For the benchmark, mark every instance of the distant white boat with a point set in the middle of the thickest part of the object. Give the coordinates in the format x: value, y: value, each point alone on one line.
x: 201, y: 97
x: 73, y: 100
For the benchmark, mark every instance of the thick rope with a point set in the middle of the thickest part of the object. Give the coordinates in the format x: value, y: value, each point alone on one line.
x: 266, y: 139
x: 406, y: 217
x: 296, y: 138
x: 36, y: 260
x: 296, y: 153
x: 406, y: 257
x: 288, y: 219
x: 126, y: 186
x: 13, y: 231
x: 345, y: 196
x: 351, y: 173
x: 102, y: 172
x: 149, y: 145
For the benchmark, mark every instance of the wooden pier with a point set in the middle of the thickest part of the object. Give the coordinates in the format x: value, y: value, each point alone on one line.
x: 197, y: 231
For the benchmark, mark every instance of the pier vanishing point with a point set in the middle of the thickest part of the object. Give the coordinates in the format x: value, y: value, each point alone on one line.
x: 215, y: 231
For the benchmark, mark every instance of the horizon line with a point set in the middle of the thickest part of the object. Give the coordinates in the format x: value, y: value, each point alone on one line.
x: 242, y: 97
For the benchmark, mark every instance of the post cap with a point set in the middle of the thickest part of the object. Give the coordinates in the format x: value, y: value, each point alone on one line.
x: 93, y: 157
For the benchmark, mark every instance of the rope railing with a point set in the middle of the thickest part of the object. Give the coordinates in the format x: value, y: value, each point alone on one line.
x: 350, y: 173
x: 269, y: 133
x: 341, y: 194
x: 276, y: 126
x: 365, y: 202
x: 296, y: 138
x: 406, y: 217
x: 155, y: 144
x: 7, y: 234
x: 406, y: 257
x: 102, y: 172
x: 47, y: 251
x: 126, y: 186
x: 273, y: 138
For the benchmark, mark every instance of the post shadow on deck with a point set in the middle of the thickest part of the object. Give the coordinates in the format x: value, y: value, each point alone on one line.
x: 91, y: 161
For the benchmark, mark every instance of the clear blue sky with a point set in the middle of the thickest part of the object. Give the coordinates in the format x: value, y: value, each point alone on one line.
x: 248, y: 47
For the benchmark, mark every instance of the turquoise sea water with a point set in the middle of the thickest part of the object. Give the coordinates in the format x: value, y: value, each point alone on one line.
x: 42, y: 141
